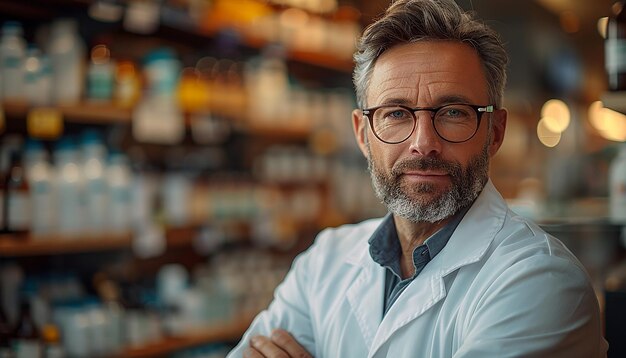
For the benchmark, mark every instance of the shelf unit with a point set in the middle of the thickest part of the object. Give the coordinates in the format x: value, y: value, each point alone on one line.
x: 227, y: 331
x: 46, y: 245
x: 26, y: 247
x: 33, y: 245
x: 107, y: 114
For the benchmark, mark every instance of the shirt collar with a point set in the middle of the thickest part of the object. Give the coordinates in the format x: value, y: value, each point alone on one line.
x: 384, y: 245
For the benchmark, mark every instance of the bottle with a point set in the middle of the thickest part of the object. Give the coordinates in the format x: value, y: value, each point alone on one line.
x: 67, y: 52
x: 16, y: 200
x: 40, y: 178
x: 615, y: 48
x: 70, y: 188
x: 12, y: 54
x: 94, y: 168
x: 127, y: 84
x: 26, y: 339
x: 37, y: 78
x: 119, y: 180
x: 100, y: 74
x: 617, y: 187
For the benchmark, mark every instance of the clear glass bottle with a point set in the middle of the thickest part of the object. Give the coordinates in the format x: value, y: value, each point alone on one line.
x: 119, y: 180
x: 615, y: 48
x: 40, y: 178
x: 67, y: 53
x: 70, y: 188
x: 16, y: 200
x: 94, y: 169
x: 12, y: 54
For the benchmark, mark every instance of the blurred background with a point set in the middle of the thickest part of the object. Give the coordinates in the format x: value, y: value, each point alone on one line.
x: 163, y: 161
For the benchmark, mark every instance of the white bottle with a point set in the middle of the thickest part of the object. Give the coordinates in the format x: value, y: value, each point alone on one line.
x: 119, y: 180
x: 37, y: 78
x: 69, y: 184
x: 12, y: 54
x: 67, y: 56
x: 617, y: 187
x: 41, y: 179
x: 94, y: 171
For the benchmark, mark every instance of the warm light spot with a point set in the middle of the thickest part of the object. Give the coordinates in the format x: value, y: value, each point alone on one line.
x: 556, y: 115
x: 616, y: 125
x: 547, y: 137
x: 595, y: 116
x: 610, y: 124
x: 602, y: 24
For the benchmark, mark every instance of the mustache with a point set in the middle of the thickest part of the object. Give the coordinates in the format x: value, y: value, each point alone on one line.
x: 426, y: 163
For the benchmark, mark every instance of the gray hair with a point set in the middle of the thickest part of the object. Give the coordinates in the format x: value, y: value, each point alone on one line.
x: 407, y: 21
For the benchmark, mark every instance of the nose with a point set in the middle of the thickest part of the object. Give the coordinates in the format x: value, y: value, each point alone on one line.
x: 425, y: 141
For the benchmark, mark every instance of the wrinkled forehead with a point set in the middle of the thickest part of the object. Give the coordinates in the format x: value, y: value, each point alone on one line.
x: 423, y: 71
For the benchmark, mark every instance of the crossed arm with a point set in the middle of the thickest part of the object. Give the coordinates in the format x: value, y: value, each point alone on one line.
x: 280, y: 344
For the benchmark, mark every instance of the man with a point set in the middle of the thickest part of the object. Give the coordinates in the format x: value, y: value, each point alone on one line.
x: 450, y: 271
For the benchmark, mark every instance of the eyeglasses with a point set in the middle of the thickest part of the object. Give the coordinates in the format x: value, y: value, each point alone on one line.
x: 455, y: 123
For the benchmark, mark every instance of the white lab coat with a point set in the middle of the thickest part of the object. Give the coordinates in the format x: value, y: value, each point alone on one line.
x: 501, y: 287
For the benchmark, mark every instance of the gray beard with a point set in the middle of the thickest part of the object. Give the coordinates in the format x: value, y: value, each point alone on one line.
x: 408, y: 202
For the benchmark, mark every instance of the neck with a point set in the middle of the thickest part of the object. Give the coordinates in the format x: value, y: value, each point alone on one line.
x: 412, y: 235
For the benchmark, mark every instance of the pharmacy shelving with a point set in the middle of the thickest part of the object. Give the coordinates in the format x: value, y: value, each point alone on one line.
x: 33, y: 245
x: 226, y: 331
x: 45, y: 245
x: 106, y: 114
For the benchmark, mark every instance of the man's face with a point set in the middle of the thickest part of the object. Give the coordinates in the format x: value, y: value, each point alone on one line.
x: 427, y: 178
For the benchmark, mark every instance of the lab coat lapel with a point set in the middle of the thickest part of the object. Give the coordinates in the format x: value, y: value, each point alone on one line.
x: 467, y: 245
x: 366, y: 292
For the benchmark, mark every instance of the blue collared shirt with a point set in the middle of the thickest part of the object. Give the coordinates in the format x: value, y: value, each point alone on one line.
x: 385, y: 250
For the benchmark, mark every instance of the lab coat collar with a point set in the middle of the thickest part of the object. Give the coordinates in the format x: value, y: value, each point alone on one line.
x: 468, y: 244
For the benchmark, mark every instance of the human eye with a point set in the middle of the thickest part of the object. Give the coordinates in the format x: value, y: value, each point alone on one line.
x: 395, y: 114
x: 454, y: 112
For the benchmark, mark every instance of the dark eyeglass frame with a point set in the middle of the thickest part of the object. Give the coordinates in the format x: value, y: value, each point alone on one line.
x: 369, y: 113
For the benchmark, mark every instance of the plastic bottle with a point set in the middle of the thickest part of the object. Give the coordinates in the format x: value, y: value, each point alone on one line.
x: 119, y: 179
x: 70, y: 185
x: 37, y: 78
x: 12, y: 54
x: 615, y: 48
x: 617, y: 187
x: 67, y: 53
x: 40, y: 176
x: 94, y: 170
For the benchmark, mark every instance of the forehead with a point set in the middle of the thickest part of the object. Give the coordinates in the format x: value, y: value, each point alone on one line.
x: 425, y: 72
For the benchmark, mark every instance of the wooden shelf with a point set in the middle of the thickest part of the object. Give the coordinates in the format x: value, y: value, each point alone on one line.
x: 33, y: 245
x: 231, y: 331
x: 615, y: 101
x: 106, y: 113
x: 30, y: 245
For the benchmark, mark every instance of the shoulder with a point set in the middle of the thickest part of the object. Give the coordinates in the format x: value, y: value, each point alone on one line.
x: 521, y: 239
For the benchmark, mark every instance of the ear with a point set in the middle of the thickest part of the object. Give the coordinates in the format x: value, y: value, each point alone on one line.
x: 498, y: 128
x: 359, y: 124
